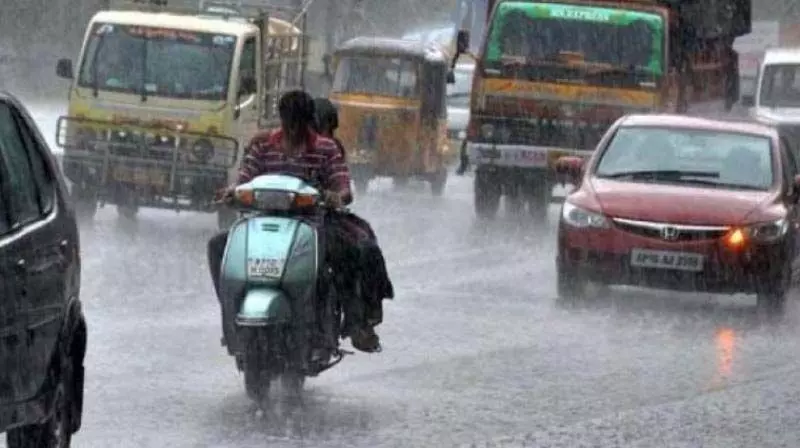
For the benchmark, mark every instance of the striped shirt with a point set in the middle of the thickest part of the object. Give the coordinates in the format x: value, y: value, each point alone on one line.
x: 321, y: 164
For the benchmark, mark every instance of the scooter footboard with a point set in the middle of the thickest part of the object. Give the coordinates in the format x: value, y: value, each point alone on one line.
x: 263, y: 307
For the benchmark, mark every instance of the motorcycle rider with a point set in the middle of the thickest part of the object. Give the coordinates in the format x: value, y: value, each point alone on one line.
x: 375, y: 284
x: 295, y: 148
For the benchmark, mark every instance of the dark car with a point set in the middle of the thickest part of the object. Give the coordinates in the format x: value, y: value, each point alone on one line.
x: 42, y: 327
x: 682, y: 203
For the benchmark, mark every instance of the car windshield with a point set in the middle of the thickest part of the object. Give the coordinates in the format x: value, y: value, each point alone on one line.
x: 541, y: 41
x: 157, y: 62
x: 780, y: 86
x: 688, y: 156
x: 393, y: 77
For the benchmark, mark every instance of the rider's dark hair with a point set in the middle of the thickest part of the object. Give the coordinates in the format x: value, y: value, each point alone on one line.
x: 327, y: 118
x: 296, y: 107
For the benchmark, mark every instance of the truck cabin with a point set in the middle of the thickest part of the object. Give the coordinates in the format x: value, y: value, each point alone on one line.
x: 173, y: 57
x: 638, y: 44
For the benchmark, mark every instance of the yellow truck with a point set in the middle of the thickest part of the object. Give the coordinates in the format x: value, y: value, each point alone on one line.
x: 165, y: 97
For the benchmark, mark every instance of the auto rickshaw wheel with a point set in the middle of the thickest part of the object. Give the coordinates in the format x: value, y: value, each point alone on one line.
x: 438, y: 182
x: 487, y: 194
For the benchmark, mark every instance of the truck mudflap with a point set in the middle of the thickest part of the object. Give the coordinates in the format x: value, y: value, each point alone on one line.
x: 158, y: 157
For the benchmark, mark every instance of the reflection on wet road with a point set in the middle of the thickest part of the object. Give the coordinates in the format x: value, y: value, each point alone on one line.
x: 476, y: 348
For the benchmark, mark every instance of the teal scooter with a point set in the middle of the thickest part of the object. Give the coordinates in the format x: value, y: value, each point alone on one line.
x: 281, y: 312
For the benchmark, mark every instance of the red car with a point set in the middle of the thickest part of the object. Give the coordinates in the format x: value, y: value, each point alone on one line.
x: 682, y: 203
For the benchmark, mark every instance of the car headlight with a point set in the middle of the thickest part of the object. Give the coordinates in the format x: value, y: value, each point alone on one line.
x: 767, y: 232
x: 580, y: 218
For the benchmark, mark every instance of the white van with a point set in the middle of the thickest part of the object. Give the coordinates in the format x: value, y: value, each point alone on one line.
x: 777, y: 93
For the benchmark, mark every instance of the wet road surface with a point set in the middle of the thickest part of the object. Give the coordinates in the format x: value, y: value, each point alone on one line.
x: 476, y: 348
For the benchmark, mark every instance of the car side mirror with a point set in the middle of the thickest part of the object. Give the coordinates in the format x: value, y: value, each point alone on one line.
x: 64, y: 69
x: 748, y: 100
x: 451, y: 77
x: 569, y: 169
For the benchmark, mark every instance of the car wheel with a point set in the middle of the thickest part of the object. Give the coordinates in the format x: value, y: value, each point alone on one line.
x: 56, y: 431
x: 487, y: 195
x: 569, y: 284
x: 772, y: 295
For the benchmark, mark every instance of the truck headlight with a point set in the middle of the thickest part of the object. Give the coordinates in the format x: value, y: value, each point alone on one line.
x: 202, y: 151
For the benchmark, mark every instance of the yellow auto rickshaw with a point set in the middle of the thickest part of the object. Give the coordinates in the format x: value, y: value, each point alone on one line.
x: 390, y: 94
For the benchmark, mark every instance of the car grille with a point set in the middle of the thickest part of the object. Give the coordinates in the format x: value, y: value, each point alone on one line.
x: 675, y: 232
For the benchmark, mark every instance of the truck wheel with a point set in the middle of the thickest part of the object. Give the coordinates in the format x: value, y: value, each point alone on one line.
x: 514, y: 200
x: 538, y: 197
x: 438, y: 182
x: 84, y: 201
x: 487, y: 195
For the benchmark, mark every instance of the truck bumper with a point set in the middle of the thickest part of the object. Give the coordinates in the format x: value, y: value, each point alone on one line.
x: 519, y: 156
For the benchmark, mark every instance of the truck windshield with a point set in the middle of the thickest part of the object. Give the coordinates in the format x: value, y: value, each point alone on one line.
x: 157, y: 62
x: 543, y: 41
x: 393, y: 77
x: 780, y: 86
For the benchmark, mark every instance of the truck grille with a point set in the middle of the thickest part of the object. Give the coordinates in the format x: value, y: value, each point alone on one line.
x: 560, y: 133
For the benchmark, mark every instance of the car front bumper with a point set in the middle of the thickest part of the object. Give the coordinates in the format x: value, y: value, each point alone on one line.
x: 604, y: 256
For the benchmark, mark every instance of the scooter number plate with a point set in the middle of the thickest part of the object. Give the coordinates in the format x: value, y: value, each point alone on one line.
x: 264, y: 267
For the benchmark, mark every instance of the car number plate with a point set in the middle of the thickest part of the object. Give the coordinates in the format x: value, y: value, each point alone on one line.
x: 663, y: 259
x: 265, y: 267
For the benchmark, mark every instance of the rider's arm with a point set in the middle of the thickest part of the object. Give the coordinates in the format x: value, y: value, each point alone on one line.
x: 253, y: 163
x: 336, y: 175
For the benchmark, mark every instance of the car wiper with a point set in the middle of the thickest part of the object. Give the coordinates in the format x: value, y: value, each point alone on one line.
x: 670, y: 174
